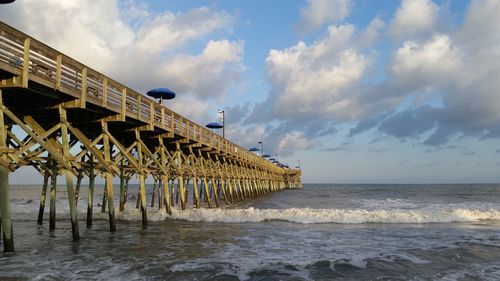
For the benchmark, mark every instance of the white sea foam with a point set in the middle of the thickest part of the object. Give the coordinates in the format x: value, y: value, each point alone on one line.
x: 427, y: 214
x: 344, y: 216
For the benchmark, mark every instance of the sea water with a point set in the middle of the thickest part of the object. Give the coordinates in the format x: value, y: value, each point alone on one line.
x: 321, y: 232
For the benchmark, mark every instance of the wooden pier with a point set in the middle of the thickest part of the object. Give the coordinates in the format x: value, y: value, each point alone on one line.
x: 64, y: 118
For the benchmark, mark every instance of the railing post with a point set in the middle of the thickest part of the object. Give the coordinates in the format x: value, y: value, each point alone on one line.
x: 26, y: 63
x: 124, y: 104
x: 162, y: 117
x: 83, y: 96
x: 172, y: 121
x: 151, y: 116
x: 58, y: 72
x: 139, y: 106
x: 105, y: 92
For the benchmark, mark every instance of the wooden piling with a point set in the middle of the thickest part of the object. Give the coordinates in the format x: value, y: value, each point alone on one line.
x: 207, y: 193
x: 216, y: 192
x: 138, y: 201
x: 123, y: 195
x: 153, y: 194
x: 78, y: 184
x: 41, y: 210
x: 111, y: 207
x: 144, y: 211
x: 172, y: 197
x: 166, y: 195
x: 109, y: 180
x: 72, y: 206
x: 90, y: 192
x: 69, y: 176
x: 160, y: 198
x: 104, y: 199
x: 7, y: 230
x: 182, y: 192
x: 196, y: 198
x: 53, y: 191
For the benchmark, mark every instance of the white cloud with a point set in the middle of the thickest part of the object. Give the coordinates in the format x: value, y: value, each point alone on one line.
x: 414, y: 17
x: 314, y: 80
x: 207, y: 74
x: 426, y: 63
x: 191, y: 107
x: 371, y: 33
x: 169, y: 31
x: 319, y: 12
x: 293, y: 141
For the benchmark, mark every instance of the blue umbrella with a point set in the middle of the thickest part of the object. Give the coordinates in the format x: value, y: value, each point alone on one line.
x: 214, y: 125
x: 254, y: 149
x: 272, y: 159
x: 266, y: 155
x: 6, y: 1
x: 161, y: 93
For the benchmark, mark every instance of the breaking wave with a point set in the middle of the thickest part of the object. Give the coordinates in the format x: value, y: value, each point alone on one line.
x: 429, y: 214
x: 341, y: 216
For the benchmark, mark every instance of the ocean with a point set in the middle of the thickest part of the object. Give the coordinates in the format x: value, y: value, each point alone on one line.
x: 320, y: 232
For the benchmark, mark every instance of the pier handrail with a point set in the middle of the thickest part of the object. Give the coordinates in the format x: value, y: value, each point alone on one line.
x: 33, y: 60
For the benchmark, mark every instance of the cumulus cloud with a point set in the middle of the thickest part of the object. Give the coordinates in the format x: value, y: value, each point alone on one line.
x: 207, y: 74
x: 315, y: 80
x: 414, y: 17
x: 462, y: 74
x: 437, y: 86
x: 137, y: 47
x: 169, y: 31
x: 318, y: 12
x: 292, y: 141
x: 432, y: 60
x: 314, y: 87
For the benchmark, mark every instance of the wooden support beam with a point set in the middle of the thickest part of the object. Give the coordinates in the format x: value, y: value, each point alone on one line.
x: 35, y: 131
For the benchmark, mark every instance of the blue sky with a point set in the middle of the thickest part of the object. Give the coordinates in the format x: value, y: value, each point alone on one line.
x: 360, y: 91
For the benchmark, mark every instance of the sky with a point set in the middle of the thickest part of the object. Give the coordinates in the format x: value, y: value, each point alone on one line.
x: 359, y: 91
